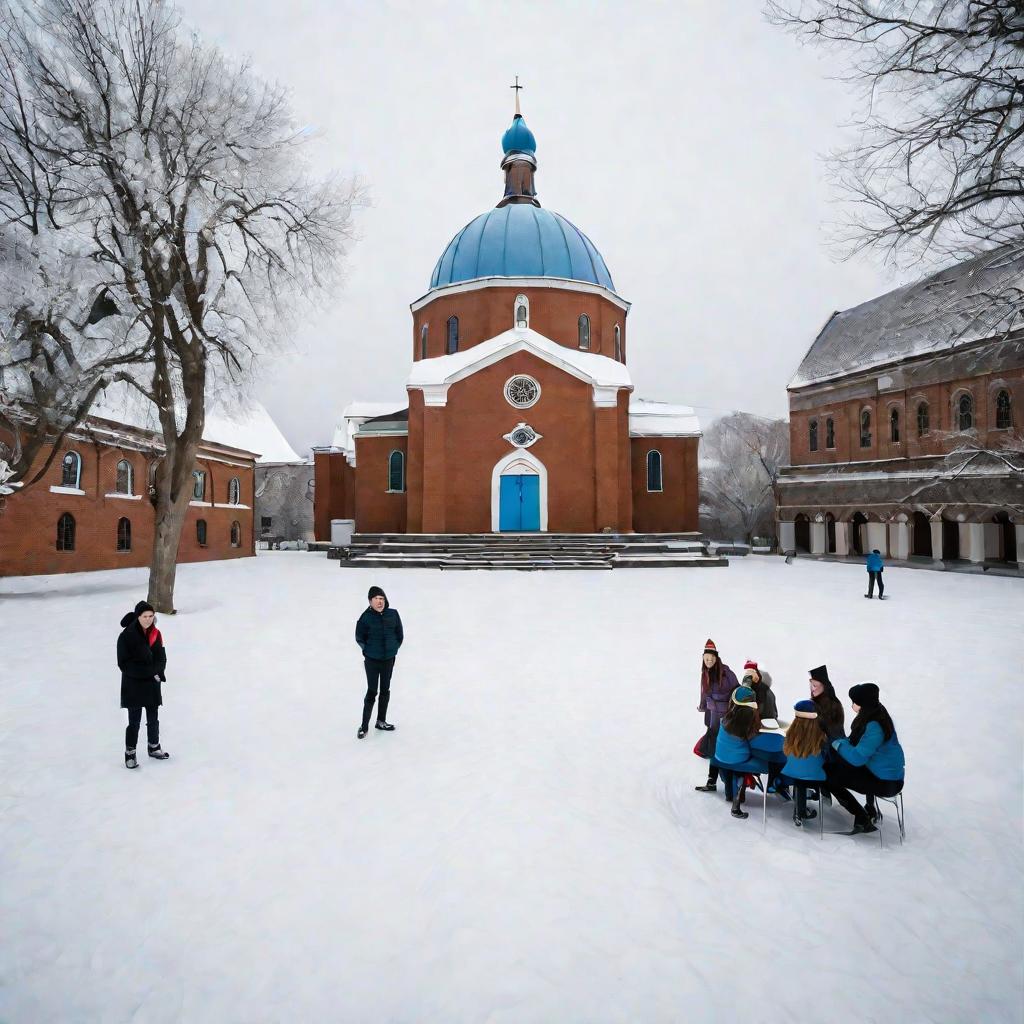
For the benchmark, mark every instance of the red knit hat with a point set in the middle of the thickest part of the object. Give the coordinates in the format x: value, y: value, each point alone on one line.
x: 751, y: 664
x: 710, y: 648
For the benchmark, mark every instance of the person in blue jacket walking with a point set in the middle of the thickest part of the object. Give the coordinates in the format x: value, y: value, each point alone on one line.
x: 871, y: 761
x: 379, y: 634
x: 875, y: 567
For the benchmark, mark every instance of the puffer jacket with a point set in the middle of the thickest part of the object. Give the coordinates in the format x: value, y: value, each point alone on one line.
x: 380, y: 634
x: 142, y: 659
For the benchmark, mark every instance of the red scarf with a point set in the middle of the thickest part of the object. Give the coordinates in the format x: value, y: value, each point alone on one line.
x: 153, y: 634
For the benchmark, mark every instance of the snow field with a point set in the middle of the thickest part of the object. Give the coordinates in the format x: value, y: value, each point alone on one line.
x: 528, y: 845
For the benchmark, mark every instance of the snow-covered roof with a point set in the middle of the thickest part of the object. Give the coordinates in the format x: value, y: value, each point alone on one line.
x: 357, y: 413
x: 602, y: 371
x: 660, y: 419
x: 955, y: 307
x: 250, y: 428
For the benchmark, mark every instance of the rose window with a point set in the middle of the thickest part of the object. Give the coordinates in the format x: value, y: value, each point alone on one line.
x: 522, y: 392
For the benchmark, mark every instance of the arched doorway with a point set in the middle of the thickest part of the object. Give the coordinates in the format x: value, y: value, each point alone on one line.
x: 830, y: 533
x: 921, y: 537
x: 1007, y: 537
x: 519, y: 494
x: 950, y: 539
x: 802, y: 533
x: 858, y: 533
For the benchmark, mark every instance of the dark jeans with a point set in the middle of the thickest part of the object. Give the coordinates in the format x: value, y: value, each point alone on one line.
x: 377, y: 672
x: 875, y: 577
x: 842, y: 777
x: 131, y: 734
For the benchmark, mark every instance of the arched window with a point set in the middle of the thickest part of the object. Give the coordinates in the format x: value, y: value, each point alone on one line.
x: 830, y: 433
x: 125, y: 478
x: 198, y: 484
x: 865, y: 428
x: 124, y: 534
x: 234, y: 491
x: 396, y: 471
x: 236, y: 534
x: 618, y: 343
x: 654, y: 481
x: 812, y: 435
x: 922, y: 419
x: 71, y: 470
x: 584, y: 331
x: 423, y: 342
x: 453, y: 335
x: 201, y: 532
x: 522, y: 313
x: 894, y: 425
x: 965, y: 412
x: 1004, y: 415
x: 66, y: 532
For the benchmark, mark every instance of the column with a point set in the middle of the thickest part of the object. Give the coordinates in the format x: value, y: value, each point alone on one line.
x: 787, y: 536
x: 936, y: 528
x: 842, y: 539
x: 899, y: 541
x: 606, y: 465
x: 876, y: 537
x: 818, y: 538
x: 1019, y: 530
x: 972, y: 542
x: 433, y: 470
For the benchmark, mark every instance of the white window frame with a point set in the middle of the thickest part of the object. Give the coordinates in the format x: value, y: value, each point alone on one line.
x: 131, y: 478
x: 521, y: 300
x: 78, y: 472
x: 234, y: 491
x: 522, y: 376
x: 199, y: 477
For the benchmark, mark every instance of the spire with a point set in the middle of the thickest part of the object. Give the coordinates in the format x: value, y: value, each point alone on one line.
x: 519, y: 161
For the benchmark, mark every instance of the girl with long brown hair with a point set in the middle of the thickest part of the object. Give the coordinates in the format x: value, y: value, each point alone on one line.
x: 717, y: 681
x: 805, y: 746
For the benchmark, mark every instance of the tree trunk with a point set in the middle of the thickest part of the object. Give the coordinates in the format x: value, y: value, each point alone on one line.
x: 164, y: 564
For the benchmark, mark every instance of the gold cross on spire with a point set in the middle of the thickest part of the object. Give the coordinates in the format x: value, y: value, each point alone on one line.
x: 517, y: 87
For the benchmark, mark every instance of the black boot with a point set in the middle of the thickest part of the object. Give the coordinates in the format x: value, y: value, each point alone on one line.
x: 709, y: 787
x: 737, y: 811
x: 129, y: 759
x: 155, y: 751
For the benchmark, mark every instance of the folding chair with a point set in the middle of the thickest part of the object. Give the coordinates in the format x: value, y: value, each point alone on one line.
x: 897, y: 802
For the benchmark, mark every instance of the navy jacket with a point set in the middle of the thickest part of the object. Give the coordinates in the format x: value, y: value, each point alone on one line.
x: 379, y: 634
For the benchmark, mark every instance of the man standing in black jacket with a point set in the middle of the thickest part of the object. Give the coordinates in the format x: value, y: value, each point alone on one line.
x: 379, y: 635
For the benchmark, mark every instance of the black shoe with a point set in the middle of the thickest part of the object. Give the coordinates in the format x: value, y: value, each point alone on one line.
x: 881, y: 597
x: 808, y: 814
x: 860, y: 827
x: 129, y: 759
x: 738, y: 812
x: 708, y: 787
x: 385, y: 727
x: 797, y: 821
x: 160, y: 755
x: 362, y: 732
x: 868, y: 596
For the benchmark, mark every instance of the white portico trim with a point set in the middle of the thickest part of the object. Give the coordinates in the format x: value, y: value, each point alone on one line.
x: 435, y: 376
x: 523, y: 463
x: 563, y: 284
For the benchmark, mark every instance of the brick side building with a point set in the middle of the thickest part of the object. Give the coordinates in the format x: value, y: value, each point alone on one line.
x: 906, y: 424
x: 519, y: 414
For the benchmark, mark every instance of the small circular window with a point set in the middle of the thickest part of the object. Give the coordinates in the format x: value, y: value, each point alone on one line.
x: 522, y: 392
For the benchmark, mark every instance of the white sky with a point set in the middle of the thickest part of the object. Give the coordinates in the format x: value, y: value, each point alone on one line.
x: 683, y: 138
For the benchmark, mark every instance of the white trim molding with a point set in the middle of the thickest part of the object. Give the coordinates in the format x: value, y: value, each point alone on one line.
x: 524, y: 463
x: 123, y: 497
x: 66, y: 490
x: 218, y: 504
x: 521, y: 283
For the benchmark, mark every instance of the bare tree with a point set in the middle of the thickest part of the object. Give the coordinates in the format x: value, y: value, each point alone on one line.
x: 211, y: 224
x: 741, y: 455
x: 937, y: 170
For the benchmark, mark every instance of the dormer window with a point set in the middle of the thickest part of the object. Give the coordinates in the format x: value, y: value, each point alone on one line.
x: 522, y: 312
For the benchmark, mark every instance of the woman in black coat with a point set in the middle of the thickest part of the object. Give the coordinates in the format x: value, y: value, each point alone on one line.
x: 142, y: 660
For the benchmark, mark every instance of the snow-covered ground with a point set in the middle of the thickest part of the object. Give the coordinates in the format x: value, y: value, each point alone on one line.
x: 528, y: 845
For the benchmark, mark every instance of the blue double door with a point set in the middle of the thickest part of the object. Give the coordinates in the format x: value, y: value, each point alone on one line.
x: 519, y: 511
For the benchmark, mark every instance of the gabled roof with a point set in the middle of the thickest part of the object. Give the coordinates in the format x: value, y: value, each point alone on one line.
x: 953, y: 308
x: 601, y: 371
x: 660, y: 419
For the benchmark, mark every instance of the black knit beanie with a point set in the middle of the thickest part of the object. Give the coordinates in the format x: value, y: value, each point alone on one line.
x: 376, y: 592
x: 143, y: 606
x: 865, y: 696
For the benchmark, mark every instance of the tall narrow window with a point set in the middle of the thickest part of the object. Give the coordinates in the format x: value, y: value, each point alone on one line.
x: 71, y: 470
x: 894, y: 426
x: 236, y: 534
x: 965, y: 412
x: 584, y: 331
x: 1004, y: 415
x: 396, y: 471
x: 124, y: 534
x: 125, y: 478
x: 201, y: 532
x: 423, y: 342
x: 453, y: 335
x: 812, y: 435
x: 922, y: 419
x: 198, y: 484
x: 618, y: 343
x: 234, y: 491
x: 66, y: 532
x: 865, y: 428
x: 522, y: 315
x: 654, y: 481
x: 830, y: 433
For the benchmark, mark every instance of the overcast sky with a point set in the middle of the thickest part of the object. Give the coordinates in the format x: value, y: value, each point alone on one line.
x: 684, y: 138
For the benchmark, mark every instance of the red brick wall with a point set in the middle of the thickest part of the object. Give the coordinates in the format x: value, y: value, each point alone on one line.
x: 488, y: 312
x: 941, y: 399
x: 378, y: 510
x: 674, y: 509
x: 28, y: 524
x: 333, y: 492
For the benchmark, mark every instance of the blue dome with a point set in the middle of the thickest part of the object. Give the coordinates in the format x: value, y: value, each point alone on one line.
x: 518, y: 137
x: 520, y: 240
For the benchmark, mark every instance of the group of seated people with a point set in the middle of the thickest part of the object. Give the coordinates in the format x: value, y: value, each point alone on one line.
x: 744, y: 737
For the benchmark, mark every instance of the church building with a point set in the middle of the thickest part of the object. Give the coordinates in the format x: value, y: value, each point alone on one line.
x: 520, y: 415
